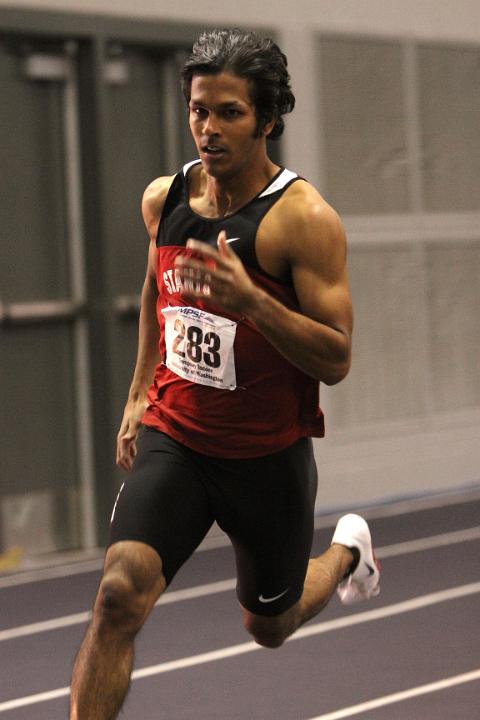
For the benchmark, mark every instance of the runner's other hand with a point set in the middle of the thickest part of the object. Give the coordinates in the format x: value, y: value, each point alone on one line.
x: 127, y: 435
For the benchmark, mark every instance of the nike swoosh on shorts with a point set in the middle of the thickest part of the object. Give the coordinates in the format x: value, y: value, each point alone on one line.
x: 272, y: 599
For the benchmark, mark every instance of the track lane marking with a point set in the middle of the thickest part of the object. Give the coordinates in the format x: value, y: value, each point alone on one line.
x: 429, y: 543
x: 320, y: 628
x: 400, y: 696
x: 387, y: 551
x: 25, y: 577
x: 83, y: 617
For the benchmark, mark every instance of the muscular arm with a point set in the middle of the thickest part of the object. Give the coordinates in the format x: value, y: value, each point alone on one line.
x: 316, y: 348
x: 147, y: 353
x: 318, y: 338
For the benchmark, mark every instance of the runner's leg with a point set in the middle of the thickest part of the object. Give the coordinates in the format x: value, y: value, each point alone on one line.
x: 161, y: 515
x: 132, y: 582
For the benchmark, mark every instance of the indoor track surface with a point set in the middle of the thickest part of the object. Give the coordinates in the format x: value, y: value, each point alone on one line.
x: 413, y: 653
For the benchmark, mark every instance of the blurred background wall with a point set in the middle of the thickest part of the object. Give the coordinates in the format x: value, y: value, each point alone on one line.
x: 387, y: 126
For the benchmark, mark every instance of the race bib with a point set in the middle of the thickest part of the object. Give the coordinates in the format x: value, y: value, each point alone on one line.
x: 200, y: 346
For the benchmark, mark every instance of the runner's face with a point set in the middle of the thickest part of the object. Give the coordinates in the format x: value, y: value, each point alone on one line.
x: 223, y: 123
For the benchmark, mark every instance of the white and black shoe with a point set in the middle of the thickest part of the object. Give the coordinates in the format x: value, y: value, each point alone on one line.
x: 362, y: 582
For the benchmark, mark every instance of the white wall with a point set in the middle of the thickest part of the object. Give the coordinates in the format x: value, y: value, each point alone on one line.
x: 438, y: 452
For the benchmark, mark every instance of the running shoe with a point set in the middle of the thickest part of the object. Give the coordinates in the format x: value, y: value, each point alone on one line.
x: 362, y: 582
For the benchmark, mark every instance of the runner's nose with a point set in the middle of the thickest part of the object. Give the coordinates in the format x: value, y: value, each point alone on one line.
x: 211, y: 127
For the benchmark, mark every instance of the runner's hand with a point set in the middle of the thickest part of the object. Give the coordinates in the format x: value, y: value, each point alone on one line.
x: 218, y: 275
x: 127, y: 435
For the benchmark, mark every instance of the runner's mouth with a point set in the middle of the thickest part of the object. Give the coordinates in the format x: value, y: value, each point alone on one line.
x: 213, y: 150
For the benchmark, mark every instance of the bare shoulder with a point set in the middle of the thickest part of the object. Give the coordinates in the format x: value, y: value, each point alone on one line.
x: 310, y: 219
x: 308, y: 231
x: 301, y: 229
x: 153, y: 201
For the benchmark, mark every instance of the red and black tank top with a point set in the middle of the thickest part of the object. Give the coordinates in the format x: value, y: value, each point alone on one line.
x: 221, y: 388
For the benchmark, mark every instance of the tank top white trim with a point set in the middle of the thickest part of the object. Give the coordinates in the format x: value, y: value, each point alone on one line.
x: 283, y: 179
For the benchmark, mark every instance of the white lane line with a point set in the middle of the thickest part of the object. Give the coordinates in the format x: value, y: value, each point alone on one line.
x: 416, y: 603
x: 34, y: 699
x: 316, y: 629
x: 52, y: 573
x: 83, y: 617
x: 44, y: 626
x: 400, y: 696
x: 386, y: 551
x: 428, y: 543
x: 197, y: 591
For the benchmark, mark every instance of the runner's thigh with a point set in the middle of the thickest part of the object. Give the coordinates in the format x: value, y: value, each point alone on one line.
x: 271, y: 527
x: 163, y: 502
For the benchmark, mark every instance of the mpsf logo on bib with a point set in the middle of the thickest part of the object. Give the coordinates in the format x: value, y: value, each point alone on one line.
x: 200, y: 346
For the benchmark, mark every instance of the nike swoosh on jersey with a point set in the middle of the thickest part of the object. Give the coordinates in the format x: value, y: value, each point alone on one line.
x: 231, y: 240
x: 272, y: 599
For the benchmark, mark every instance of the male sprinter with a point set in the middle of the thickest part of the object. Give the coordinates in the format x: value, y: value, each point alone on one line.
x: 246, y: 288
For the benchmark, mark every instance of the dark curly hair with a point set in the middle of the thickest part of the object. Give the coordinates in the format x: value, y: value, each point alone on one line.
x: 247, y: 55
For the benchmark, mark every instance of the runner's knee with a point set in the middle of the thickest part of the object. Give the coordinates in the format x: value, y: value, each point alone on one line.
x: 270, y: 632
x: 127, y: 593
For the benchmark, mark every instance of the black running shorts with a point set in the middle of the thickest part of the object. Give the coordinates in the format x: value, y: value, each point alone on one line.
x: 265, y: 505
